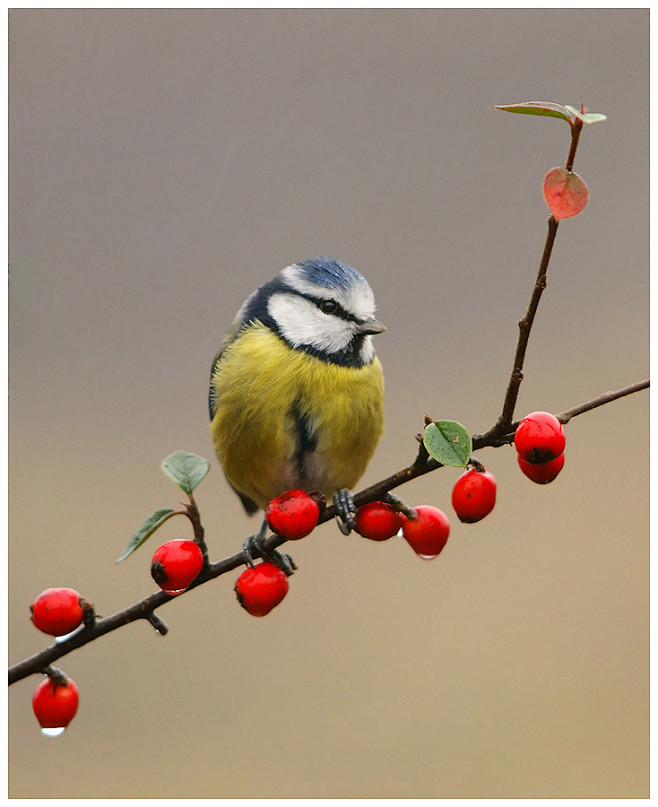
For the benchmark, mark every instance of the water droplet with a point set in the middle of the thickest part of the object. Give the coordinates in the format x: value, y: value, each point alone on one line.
x: 65, y: 636
x: 53, y: 732
x: 427, y: 557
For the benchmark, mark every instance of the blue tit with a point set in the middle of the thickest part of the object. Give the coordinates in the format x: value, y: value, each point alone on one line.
x: 296, y: 391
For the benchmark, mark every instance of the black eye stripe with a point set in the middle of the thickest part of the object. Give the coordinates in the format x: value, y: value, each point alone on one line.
x: 334, y: 308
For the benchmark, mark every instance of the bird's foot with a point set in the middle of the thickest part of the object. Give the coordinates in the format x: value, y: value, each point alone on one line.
x: 345, y: 510
x: 254, y: 546
x: 283, y: 561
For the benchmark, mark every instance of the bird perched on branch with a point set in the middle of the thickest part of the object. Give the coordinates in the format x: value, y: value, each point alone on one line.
x: 296, y: 391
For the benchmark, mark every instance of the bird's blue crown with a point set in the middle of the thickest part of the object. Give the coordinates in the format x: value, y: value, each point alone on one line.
x: 329, y: 273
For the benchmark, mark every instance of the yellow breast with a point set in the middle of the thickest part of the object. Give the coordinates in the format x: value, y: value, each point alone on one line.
x: 285, y: 419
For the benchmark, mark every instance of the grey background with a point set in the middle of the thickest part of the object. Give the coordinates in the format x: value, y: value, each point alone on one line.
x: 164, y: 163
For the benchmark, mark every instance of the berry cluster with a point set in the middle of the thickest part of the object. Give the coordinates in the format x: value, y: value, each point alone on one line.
x: 539, y: 441
x: 292, y: 514
x: 424, y: 528
x: 61, y: 611
x: 57, y: 612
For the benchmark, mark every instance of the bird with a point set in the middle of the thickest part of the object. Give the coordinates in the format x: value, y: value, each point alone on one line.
x: 296, y: 390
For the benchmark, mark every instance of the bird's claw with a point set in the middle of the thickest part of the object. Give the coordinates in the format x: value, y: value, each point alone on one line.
x: 283, y: 561
x: 254, y: 547
x: 345, y: 510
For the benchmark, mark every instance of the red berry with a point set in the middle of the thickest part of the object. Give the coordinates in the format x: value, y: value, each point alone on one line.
x: 261, y: 589
x: 474, y: 495
x: 55, y: 703
x: 426, y: 534
x: 539, y: 438
x: 544, y: 473
x: 292, y: 514
x: 176, y: 564
x: 377, y: 521
x: 57, y: 611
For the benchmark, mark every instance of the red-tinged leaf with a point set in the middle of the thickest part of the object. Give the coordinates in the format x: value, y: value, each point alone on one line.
x: 546, y: 108
x: 566, y: 193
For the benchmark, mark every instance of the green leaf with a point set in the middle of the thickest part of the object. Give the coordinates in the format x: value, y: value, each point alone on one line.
x: 593, y: 117
x: 448, y: 442
x: 586, y: 117
x: 575, y: 112
x: 147, y: 529
x: 185, y: 469
x: 546, y: 108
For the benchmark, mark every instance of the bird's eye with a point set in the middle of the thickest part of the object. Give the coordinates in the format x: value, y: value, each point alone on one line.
x: 329, y: 306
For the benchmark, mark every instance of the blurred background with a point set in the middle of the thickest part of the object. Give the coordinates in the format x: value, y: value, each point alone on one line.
x: 163, y: 164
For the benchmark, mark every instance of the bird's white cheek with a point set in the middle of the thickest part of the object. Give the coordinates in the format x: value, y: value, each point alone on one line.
x: 301, y: 323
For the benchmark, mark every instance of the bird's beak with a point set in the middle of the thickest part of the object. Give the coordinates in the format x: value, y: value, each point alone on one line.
x: 371, y: 325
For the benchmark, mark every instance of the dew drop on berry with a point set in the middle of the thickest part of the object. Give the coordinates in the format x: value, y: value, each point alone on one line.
x: 53, y: 732
x: 172, y: 592
x: 427, y: 557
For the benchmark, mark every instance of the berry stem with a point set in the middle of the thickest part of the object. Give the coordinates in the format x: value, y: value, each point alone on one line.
x: 476, y: 464
x: 192, y: 512
x: 88, y: 614
x: 400, y: 506
x: 57, y: 676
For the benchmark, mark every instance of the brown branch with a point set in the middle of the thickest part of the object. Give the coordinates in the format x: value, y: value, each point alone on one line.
x: 140, y: 610
x: 144, y: 609
x: 502, y: 432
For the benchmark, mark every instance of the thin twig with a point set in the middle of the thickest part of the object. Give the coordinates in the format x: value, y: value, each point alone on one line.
x: 576, y: 128
x: 504, y: 423
x: 606, y: 397
x: 525, y: 326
